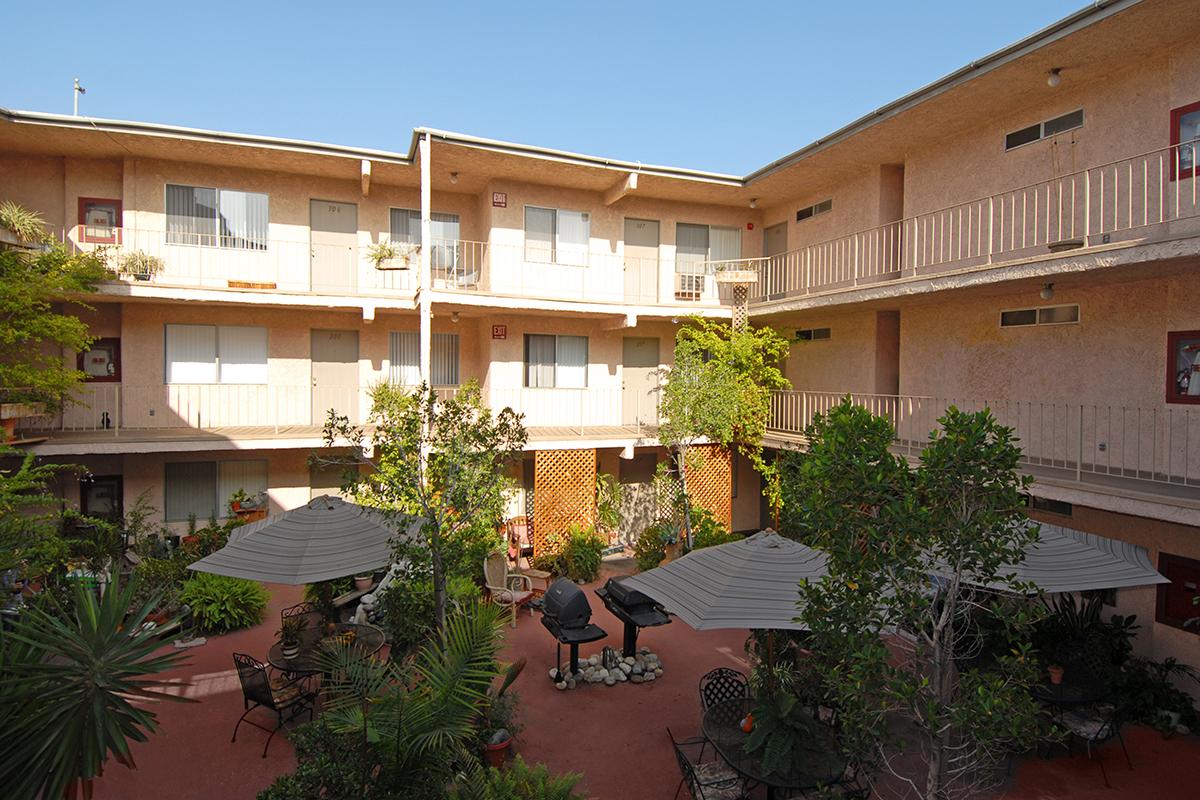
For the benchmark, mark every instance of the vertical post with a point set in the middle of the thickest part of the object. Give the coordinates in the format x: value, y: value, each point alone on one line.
x: 425, y: 281
x: 991, y: 223
x: 1079, y: 454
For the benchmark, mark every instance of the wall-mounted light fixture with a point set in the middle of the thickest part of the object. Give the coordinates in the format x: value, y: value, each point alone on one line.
x: 754, y: 202
x: 454, y: 177
x: 1047, y: 292
x: 1054, y: 78
x: 454, y: 316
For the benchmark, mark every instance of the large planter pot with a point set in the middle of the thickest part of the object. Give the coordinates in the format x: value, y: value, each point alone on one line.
x: 1056, y: 674
x: 363, y: 582
x: 497, y: 754
x: 291, y: 650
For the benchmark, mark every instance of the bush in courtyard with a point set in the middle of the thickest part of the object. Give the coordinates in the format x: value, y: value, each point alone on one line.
x: 328, y: 764
x: 651, y: 548
x: 222, y: 604
x: 518, y: 782
x: 707, y: 530
x: 575, y: 554
x: 408, y: 616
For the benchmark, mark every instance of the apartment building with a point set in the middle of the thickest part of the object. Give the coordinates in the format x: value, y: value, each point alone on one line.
x: 1022, y: 234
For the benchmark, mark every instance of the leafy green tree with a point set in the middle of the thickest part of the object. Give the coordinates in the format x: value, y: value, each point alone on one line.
x: 33, y: 333
x: 73, y: 691
x: 909, y: 551
x: 719, y: 389
x: 29, y: 516
x: 441, y: 460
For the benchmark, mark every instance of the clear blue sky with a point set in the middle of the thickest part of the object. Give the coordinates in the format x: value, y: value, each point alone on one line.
x: 719, y: 86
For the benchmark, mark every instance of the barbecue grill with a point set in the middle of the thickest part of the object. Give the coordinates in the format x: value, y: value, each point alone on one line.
x: 567, y: 614
x: 633, y: 608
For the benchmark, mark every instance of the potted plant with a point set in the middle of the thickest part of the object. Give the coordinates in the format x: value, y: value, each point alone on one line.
x: 1055, y: 671
x: 497, y: 724
x: 290, y: 632
x: 363, y: 582
x: 21, y: 227
x: 139, y: 265
x: 387, y: 254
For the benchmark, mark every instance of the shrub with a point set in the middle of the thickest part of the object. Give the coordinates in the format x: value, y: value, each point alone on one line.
x: 518, y: 782
x: 328, y: 764
x: 651, y: 548
x: 222, y: 604
x: 707, y: 531
x: 163, y: 577
x: 407, y: 607
x: 575, y: 554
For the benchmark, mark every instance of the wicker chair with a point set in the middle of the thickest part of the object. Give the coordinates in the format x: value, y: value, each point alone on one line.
x: 287, y: 698
x: 504, y: 587
x: 722, y: 684
x: 706, y: 780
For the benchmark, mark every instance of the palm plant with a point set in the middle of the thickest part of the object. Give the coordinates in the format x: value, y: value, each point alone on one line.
x: 26, y: 225
x: 68, y: 688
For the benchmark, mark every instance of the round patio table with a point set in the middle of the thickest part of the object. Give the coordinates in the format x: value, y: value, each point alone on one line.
x: 367, y: 641
x: 822, y: 764
x: 1075, y: 690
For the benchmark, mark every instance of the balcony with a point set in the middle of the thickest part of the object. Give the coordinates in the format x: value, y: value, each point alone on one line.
x: 1148, y: 195
x: 1146, y: 450
x: 573, y: 413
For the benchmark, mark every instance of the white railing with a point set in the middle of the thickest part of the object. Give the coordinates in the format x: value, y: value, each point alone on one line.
x: 285, y: 265
x: 1154, y: 445
x: 1117, y: 201
x: 580, y: 410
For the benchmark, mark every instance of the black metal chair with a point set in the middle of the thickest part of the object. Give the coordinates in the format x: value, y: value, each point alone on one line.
x: 306, y: 610
x: 722, y: 684
x: 1095, y: 725
x: 706, y: 780
x: 261, y: 690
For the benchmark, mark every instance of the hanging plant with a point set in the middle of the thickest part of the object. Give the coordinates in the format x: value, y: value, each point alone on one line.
x: 382, y: 254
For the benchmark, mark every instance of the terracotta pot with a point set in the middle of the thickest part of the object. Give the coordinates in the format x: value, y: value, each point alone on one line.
x: 497, y: 754
x: 363, y: 582
x: 1056, y: 674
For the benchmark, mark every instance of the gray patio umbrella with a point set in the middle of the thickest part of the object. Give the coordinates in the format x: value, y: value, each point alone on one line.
x: 750, y: 583
x: 327, y: 538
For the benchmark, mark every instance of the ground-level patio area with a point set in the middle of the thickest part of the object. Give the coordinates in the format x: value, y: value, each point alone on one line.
x: 616, y: 736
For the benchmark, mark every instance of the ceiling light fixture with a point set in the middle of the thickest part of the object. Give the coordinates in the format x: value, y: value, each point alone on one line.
x: 1047, y: 292
x: 1054, y: 78
x: 454, y: 177
x: 454, y: 316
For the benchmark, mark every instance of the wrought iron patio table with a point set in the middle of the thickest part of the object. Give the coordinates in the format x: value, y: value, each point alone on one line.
x: 367, y: 640
x: 1072, y: 691
x: 823, y: 763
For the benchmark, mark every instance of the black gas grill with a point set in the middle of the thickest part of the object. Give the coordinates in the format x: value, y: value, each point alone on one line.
x: 633, y: 608
x: 567, y: 615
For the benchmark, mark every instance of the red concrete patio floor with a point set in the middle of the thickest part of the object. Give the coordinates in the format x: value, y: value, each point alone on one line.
x: 616, y: 736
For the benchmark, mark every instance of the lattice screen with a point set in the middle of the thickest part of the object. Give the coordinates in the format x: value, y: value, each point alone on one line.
x: 710, y: 486
x: 564, y: 492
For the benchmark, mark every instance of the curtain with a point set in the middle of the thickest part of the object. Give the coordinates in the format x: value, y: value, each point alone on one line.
x: 249, y: 476
x: 191, y: 354
x: 242, y: 353
x: 539, y: 235
x: 572, y: 357
x: 725, y: 244
x: 243, y: 218
x: 405, y: 358
x: 405, y: 226
x: 443, y: 229
x: 572, y: 238
x: 191, y: 215
x: 444, y: 356
x: 539, y: 361
x: 190, y: 488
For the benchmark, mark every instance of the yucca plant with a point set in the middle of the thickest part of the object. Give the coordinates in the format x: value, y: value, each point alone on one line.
x: 72, y: 692
x: 26, y: 225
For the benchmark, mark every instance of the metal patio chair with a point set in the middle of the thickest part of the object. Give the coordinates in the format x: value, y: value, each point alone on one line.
x: 287, y: 698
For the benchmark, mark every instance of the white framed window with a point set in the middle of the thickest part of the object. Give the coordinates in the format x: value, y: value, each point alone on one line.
x: 203, y: 488
x: 1044, y: 130
x: 207, y: 217
x: 405, y: 359
x: 1043, y: 315
x: 816, y: 209
x: 695, y: 247
x: 557, y: 236
x: 233, y: 354
x: 555, y: 362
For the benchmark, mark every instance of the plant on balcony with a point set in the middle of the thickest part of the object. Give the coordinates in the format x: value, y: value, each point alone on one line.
x: 139, y: 265
x: 882, y: 524
x: 27, y: 226
x: 444, y: 461
x: 385, y: 253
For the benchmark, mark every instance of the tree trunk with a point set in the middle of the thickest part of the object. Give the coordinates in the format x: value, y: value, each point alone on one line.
x: 439, y: 583
x: 687, y: 502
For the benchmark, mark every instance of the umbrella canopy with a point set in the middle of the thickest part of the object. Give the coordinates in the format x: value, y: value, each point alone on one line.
x: 326, y: 539
x: 750, y: 583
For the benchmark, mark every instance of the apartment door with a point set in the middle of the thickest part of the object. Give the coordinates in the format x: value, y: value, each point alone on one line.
x: 641, y: 260
x: 639, y: 382
x: 334, y: 244
x: 774, y: 246
x: 334, y: 374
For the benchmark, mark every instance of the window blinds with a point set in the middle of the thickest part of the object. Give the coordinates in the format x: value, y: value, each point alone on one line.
x: 556, y: 361
x: 405, y: 358
x: 191, y: 352
x: 198, y: 215
x: 190, y: 488
x: 539, y: 361
x: 539, y: 235
x: 249, y: 476
x: 216, y: 354
x: 242, y: 354
x: 572, y: 238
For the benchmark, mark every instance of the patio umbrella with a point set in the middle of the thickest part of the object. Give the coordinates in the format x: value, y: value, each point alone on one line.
x: 750, y: 583
x: 327, y: 538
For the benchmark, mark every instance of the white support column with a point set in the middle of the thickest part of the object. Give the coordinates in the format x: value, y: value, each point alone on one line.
x: 425, y: 280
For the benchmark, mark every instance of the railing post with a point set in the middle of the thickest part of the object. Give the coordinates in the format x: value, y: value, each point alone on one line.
x: 991, y: 210
x: 1079, y: 454
x: 1087, y: 207
x: 117, y: 411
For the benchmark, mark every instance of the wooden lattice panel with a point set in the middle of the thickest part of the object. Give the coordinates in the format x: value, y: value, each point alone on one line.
x: 710, y: 485
x: 564, y: 492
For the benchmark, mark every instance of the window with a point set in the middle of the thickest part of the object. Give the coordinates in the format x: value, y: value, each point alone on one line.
x: 822, y: 207
x: 100, y: 220
x: 1044, y: 130
x: 443, y: 231
x: 695, y: 247
x: 555, y: 236
x: 1059, y: 507
x: 1046, y: 315
x: 1185, y: 130
x: 203, y: 488
x: 1183, y: 367
x: 1177, y: 599
x: 101, y: 363
x: 812, y: 334
x: 405, y: 357
x: 216, y: 217
x: 216, y: 354
x: 556, y: 361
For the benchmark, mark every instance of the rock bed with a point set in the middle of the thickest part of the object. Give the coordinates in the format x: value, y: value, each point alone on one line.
x: 610, y: 668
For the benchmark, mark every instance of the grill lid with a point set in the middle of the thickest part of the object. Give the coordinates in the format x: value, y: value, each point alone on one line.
x: 566, y: 603
x: 626, y: 596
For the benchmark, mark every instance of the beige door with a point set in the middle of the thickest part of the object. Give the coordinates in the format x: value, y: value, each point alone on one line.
x: 775, y: 244
x: 639, y: 381
x: 334, y: 245
x: 641, y: 260
x: 334, y: 374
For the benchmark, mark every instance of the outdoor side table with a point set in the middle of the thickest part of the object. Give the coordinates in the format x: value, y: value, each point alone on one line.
x: 368, y: 640
x: 823, y: 763
x: 539, y: 578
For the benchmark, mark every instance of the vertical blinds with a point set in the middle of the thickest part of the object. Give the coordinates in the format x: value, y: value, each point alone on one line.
x: 198, y: 215
x: 203, y: 488
x: 539, y: 235
x: 405, y: 356
x: 556, y: 361
x: 216, y: 354
x: 191, y: 353
x: 694, y: 243
x: 557, y: 236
